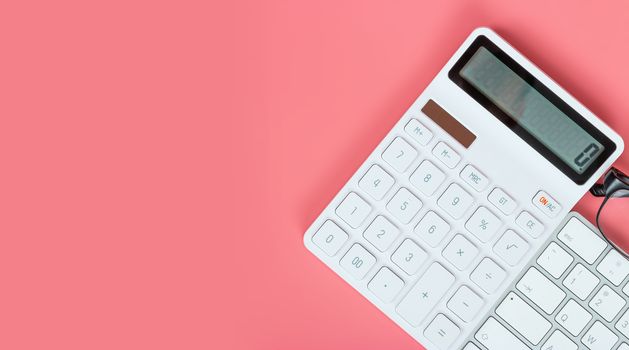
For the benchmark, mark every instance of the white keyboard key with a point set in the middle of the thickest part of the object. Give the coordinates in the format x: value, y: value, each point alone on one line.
x: 573, y: 317
x: 432, y: 229
x: 455, y: 201
x: 358, y: 261
x: 409, y: 257
x: 599, y: 337
x: 460, y: 252
x: 381, y: 233
x: 623, y: 324
x: 427, y: 292
x: 376, y: 182
x: 523, y: 318
x: 427, y: 178
x: 581, y: 281
x: 583, y: 241
x: 607, y: 303
x: 544, y: 202
x: 614, y: 267
x: 483, y: 224
x: 488, y: 276
x: 465, y: 304
x: 626, y: 289
x: 511, y: 248
x: 471, y: 346
x: 540, y: 290
x: 386, y: 285
x: 446, y: 155
x: 399, y: 154
x: 495, y: 336
x: 530, y: 224
x: 330, y: 238
x: 558, y: 341
x: 404, y: 205
x: 555, y: 260
x: 474, y: 178
x: 502, y: 201
x: 418, y: 132
x: 442, y: 332
x: 623, y: 346
x: 353, y: 210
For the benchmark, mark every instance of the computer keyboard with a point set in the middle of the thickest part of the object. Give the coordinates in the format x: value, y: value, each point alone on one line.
x: 572, y: 295
x: 438, y: 226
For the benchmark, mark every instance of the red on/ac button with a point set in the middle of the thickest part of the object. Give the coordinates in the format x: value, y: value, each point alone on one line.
x: 546, y: 204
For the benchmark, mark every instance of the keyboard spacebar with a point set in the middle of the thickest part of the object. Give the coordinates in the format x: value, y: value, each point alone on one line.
x: 496, y: 337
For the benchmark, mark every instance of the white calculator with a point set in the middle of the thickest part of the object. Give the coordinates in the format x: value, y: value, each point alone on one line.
x: 458, y: 204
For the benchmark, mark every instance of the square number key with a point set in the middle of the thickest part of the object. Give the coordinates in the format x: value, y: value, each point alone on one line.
x: 353, y: 210
x: 432, y: 229
x: 399, y: 154
x: 455, y: 201
x: 427, y: 178
x: 404, y: 205
x: 330, y: 238
x: 358, y: 261
x: 409, y: 257
x: 376, y: 182
x: 381, y: 233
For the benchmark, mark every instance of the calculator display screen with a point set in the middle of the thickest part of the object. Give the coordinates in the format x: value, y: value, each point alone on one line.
x: 530, y: 109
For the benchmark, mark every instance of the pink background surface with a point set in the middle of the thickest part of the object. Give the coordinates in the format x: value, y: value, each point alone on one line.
x: 161, y: 160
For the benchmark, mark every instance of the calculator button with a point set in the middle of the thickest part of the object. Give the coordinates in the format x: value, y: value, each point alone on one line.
x: 523, y: 318
x: 573, y: 317
x: 399, y: 154
x: 483, y: 224
x: 442, y: 332
x: 446, y: 155
x: 455, y: 201
x: 581, y: 282
x: 409, y: 257
x: 465, y: 304
x: 511, y: 248
x: 495, y: 336
x: 427, y: 178
x: 376, y: 182
x: 474, y: 178
x: 599, y: 337
x: 358, y: 261
x: 559, y: 341
x: 555, y: 260
x: 418, y: 132
x: 529, y: 224
x: 386, y: 285
x: 582, y: 240
x: 381, y: 233
x: 460, y: 252
x: 432, y: 229
x: 404, y: 205
x: 623, y: 324
x: 544, y: 202
x: 614, y: 267
x: 353, y: 210
x: 471, y: 346
x: 540, y: 290
x: 502, y: 201
x: 488, y: 276
x: 427, y: 292
x: 607, y: 303
x: 330, y: 238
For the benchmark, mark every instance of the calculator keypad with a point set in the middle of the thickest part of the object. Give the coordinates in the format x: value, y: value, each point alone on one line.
x: 413, y: 229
